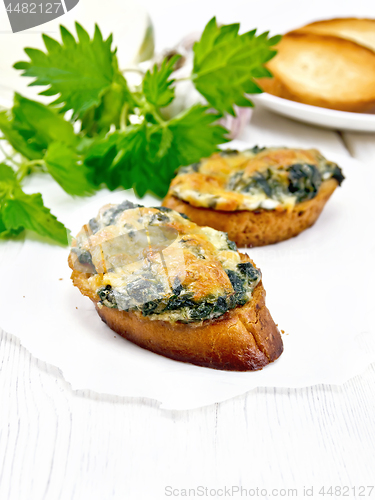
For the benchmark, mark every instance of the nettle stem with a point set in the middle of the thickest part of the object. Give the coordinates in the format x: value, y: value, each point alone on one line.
x: 9, y: 157
x: 28, y: 167
x: 133, y: 70
x: 182, y: 79
x: 158, y: 117
x: 124, y: 121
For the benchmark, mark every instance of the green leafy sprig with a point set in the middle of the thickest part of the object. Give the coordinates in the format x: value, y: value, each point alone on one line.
x: 100, y: 132
x: 19, y: 211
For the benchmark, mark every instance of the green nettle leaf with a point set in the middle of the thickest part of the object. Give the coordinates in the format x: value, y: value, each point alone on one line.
x: 157, y: 84
x: 159, y: 141
x: 19, y: 211
x: 195, y: 134
x: 82, y: 74
x: 8, y: 182
x: 131, y: 166
x: 146, y: 156
x: 40, y: 125
x: 3, y: 229
x: 64, y: 164
x: 31, y: 126
x: 7, y: 174
x: 99, y: 158
x: 28, y: 212
x: 226, y: 63
x: 131, y: 159
x: 115, y: 101
x: 15, y: 139
x: 8, y: 233
x: 79, y: 72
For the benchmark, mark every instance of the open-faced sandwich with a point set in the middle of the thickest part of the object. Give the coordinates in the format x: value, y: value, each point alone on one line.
x: 258, y: 196
x: 175, y: 288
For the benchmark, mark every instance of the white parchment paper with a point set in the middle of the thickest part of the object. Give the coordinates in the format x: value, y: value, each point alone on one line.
x: 320, y: 291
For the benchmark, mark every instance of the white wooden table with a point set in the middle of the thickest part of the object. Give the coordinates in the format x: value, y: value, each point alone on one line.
x: 60, y: 444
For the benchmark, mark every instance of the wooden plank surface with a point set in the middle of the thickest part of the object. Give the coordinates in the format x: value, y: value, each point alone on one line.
x: 57, y: 444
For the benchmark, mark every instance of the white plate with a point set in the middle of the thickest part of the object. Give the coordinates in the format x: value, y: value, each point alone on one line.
x: 323, y: 117
x: 319, y: 290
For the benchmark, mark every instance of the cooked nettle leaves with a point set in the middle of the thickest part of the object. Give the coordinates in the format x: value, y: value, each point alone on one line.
x: 100, y: 131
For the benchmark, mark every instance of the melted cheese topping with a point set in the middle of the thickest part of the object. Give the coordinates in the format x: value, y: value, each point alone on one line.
x: 160, y: 264
x: 246, y: 180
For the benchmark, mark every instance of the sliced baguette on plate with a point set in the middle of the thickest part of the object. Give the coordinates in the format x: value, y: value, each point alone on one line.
x: 360, y: 31
x: 324, y: 71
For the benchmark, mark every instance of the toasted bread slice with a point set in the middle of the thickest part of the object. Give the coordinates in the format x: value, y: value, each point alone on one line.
x: 174, y: 288
x: 258, y: 227
x: 243, y: 339
x: 259, y: 196
x: 323, y: 71
x: 360, y: 31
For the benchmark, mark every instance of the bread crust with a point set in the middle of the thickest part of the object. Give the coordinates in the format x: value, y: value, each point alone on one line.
x: 258, y: 227
x: 358, y: 30
x: 243, y: 339
x: 303, y: 71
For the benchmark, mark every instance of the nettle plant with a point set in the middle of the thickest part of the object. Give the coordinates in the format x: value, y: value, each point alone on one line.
x: 101, y: 132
